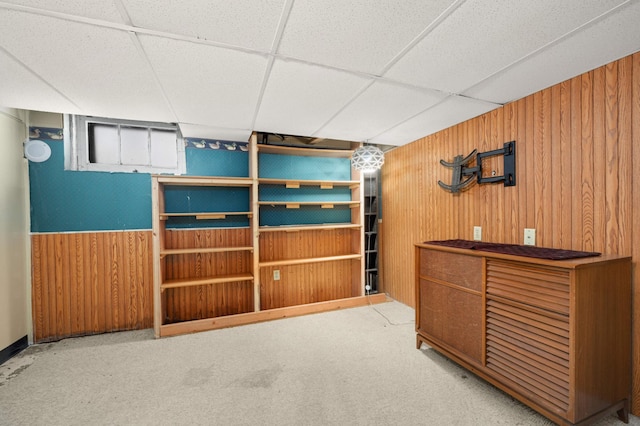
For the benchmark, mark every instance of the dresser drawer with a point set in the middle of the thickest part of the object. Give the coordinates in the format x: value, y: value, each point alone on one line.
x: 452, y: 317
x: 459, y: 269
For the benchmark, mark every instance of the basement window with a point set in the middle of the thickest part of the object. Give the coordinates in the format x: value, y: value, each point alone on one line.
x: 111, y: 145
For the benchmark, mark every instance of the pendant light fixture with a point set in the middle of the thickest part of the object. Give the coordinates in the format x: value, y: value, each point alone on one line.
x: 367, y: 158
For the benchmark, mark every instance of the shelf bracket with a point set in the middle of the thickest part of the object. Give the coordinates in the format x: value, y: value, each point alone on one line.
x: 462, y: 175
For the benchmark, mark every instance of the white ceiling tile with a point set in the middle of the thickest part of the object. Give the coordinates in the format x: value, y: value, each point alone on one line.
x: 246, y: 23
x: 451, y: 111
x: 481, y: 38
x: 94, y: 9
x: 380, y: 107
x: 98, y: 68
x: 300, y: 98
x: 77, y: 56
x: 211, y: 132
x: 610, y: 39
x: 361, y: 35
x: 25, y: 90
x: 207, y: 84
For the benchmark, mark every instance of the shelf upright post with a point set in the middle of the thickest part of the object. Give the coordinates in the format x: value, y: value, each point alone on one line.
x: 357, y: 216
x: 255, y: 218
x: 157, y: 203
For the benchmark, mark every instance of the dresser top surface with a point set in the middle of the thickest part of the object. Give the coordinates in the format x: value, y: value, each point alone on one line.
x: 479, y: 251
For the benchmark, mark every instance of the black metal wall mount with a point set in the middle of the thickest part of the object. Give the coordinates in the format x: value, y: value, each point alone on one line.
x: 462, y: 175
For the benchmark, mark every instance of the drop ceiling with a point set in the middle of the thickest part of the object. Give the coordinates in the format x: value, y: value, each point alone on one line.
x: 378, y: 71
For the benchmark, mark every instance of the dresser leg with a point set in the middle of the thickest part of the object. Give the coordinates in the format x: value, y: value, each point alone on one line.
x: 623, y: 413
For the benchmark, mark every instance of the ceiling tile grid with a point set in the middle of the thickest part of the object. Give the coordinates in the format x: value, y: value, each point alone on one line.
x: 24, y: 88
x: 615, y: 36
x: 451, y: 111
x: 92, y: 9
x: 302, y: 97
x: 357, y: 35
x: 377, y: 71
x: 98, y: 68
x: 243, y: 23
x: 483, y: 37
x: 228, y: 81
x: 380, y: 107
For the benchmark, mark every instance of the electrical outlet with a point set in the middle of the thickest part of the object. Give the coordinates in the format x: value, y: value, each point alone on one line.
x: 477, y: 233
x: 529, y: 237
x: 276, y: 275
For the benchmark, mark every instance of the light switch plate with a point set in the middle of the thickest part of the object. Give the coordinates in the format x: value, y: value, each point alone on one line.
x: 477, y: 233
x: 276, y: 275
x: 529, y: 237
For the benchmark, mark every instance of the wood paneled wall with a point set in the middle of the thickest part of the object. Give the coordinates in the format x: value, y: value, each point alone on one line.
x: 305, y: 244
x: 207, y: 301
x: 87, y: 283
x: 308, y: 282
x: 578, y: 180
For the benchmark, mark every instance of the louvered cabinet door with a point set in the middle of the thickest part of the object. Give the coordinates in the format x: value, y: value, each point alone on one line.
x: 527, y: 330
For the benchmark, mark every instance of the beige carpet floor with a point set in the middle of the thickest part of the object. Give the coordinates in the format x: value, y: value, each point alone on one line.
x: 351, y: 367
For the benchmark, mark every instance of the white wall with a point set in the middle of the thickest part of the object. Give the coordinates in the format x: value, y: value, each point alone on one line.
x: 15, y: 280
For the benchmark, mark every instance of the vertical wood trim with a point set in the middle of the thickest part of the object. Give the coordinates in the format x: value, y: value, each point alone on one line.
x: 521, y: 169
x: 510, y: 197
x: 599, y: 158
x: 562, y: 158
x: 255, y: 220
x: 575, y: 149
x: 497, y: 217
x: 625, y: 151
x: 634, y: 232
x: 587, y: 163
x: 38, y: 310
x: 612, y: 176
x: 157, y: 273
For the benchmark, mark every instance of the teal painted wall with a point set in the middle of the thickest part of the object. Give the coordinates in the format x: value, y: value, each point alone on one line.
x: 63, y: 201
x: 278, y: 166
x: 75, y: 201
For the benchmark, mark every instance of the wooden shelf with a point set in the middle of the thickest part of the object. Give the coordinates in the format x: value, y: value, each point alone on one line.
x: 203, y: 181
x: 289, y: 262
x: 180, y: 266
x: 322, y: 204
x: 298, y: 228
x: 205, y: 215
x: 205, y: 281
x: 195, y: 250
x: 323, y: 184
x: 306, y: 152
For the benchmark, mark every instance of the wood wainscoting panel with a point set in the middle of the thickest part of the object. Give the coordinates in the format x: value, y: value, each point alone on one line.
x: 90, y: 282
x: 292, y: 244
x: 306, y: 283
x: 315, y: 271
x: 209, y: 300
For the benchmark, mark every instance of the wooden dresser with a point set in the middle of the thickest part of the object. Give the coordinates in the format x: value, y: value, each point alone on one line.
x: 555, y: 334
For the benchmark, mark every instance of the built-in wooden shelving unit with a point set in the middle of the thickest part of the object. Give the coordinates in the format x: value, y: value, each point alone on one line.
x: 208, y: 276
